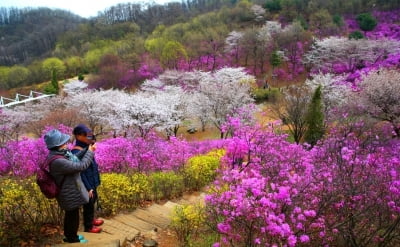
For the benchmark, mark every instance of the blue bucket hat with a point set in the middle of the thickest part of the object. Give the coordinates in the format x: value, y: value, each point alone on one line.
x: 81, y: 129
x: 54, y: 138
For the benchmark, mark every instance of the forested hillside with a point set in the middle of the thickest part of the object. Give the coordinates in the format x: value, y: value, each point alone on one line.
x: 128, y: 43
x: 29, y: 34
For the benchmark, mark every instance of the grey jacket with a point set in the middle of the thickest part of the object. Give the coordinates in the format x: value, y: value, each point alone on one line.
x: 73, y: 193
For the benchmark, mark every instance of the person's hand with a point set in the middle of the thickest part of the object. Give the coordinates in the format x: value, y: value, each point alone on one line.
x: 92, y: 147
x: 91, y: 194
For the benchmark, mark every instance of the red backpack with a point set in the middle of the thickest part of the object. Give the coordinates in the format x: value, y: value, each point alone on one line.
x: 45, y: 180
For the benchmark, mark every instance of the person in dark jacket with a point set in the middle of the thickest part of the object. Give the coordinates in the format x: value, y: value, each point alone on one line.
x: 66, y: 172
x: 90, y: 177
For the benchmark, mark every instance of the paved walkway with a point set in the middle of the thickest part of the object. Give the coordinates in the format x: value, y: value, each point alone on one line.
x: 142, y: 223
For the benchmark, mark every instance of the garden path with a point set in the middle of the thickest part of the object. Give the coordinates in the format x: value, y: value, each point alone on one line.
x: 132, y: 229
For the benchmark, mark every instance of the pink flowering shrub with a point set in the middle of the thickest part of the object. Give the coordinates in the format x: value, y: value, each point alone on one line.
x: 150, y: 154
x: 258, y: 199
x: 120, y: 155
x: 273, y: 193
x: 357, y: 180
x: 21, y: 158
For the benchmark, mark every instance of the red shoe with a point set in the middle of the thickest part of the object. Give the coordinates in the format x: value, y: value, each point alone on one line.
x: 98, y: 222
x: 94, y: 230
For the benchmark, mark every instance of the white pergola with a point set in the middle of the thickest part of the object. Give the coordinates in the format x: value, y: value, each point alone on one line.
x: 21, y: 99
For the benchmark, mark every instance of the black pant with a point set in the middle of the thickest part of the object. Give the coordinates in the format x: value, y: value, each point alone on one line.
x: 71, y: 225
x: 88, y: 212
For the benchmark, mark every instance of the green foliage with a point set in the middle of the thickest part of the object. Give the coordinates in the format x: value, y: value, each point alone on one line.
x: 120, y: 192
x: 338, y: 20
x: 315, y: 119
x: 54, y: 81
x: 53, y: 64
x: 49, y: 89
x: 273, y: 5
x: 18, y: 76
x: 366, y: 22
x: 186, y: 222
x: 164, y: 185
x: 321, y: 21
x: 23, y: 210
x: 265, y: 94
x: 171, y: 53
x: 81, y: 77
x: 303, y: 22
x: 275, y: 59
x: 74, y: 65
x: 201, y: 170
x: 155, y: 46
x: 205, y: 239
x: 356, y: 35
x: 4, y: 71
x: 93, y: 57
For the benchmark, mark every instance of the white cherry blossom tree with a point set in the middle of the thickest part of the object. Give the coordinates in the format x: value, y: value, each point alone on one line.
x: 175, y: 101
x: 379, y: 97
x: 334, y: 93
x: 74, y: 87
x: 95, y: 106
x: 325, y: 53
x: 223, y: 93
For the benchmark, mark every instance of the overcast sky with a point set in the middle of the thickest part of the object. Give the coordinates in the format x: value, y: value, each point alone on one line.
x: 84, y: 8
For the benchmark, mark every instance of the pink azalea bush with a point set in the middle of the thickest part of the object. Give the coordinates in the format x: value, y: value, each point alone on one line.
x: 150, y: 154
x: 274, y: 193
x: 21, y: 158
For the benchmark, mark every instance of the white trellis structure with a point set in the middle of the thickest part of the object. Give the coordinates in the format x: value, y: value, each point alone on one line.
x: 21, y: 99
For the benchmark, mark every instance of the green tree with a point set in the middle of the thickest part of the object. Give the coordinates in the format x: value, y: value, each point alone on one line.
x: 366, y: 22
x: 4, y: 71
x: 315, y: 118
x: 356, y: 35
x: 18, y: 76
x: 172, y: 52
x: 338, y: 20
x: 74, y: 65
x: 322, y: 23
x: 54, y: 81
x: 81, y: 77
x: 275, y: 60
x: 93, y: 58
x: 54, y: 64
x: 155, y: 46
x: 273, y: 5
x: 37, y: 74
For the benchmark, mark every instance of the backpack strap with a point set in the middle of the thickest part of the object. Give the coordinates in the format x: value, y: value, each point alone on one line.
x: 48, y: 162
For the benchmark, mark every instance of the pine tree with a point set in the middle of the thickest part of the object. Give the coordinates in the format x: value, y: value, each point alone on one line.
x: 315, y: 119
x: 54, y: 81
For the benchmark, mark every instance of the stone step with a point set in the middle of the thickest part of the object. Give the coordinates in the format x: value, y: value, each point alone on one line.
x: 134, y: 222
x: 119, y: 230
x: 170, y: 205
x: 194, y: 197
x: 159, y: 220
x: 160, y: 210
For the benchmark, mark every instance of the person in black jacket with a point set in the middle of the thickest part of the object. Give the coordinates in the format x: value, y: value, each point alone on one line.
x: 90, y: 177
x: 65, y: 171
